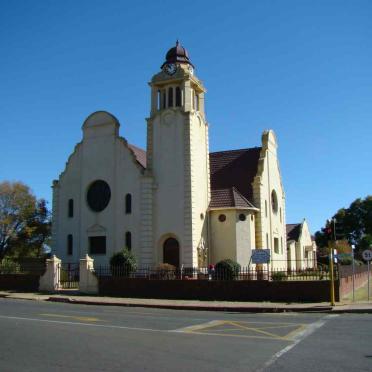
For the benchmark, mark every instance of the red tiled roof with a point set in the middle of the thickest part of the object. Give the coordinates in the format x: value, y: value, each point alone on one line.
x: 139, y: 154
x: 293, y: 231
x: 234, y: 168
x: 228, y: 198
x: 232, y: 174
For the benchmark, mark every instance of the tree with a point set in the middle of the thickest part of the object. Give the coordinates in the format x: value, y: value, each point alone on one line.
x: 123, y: 263
x: 226, y: 269
x: 24, y: 221
x: 353, y: 224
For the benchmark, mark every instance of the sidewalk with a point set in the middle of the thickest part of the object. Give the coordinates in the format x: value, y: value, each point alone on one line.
x: 253, y: 307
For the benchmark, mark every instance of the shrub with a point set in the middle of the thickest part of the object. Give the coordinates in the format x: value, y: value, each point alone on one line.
x: 345, y: 260
x: 165, y: 271
x: 8, y: 266
x: 279, y: 276
x: 123, y: 263
x: 226, y: 270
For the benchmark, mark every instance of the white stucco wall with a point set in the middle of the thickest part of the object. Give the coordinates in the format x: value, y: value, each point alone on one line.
x: 269, y: 223
x: 223, y: 235
x: 178, y: 161
x: 245, y: 238
x: 168, y: 172
x: 102, y: 155
x: 305, y: 248
x: 291, y: 255
x: 233, y: 238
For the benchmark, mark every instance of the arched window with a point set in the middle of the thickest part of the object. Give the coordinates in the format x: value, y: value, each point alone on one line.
x: 158, y: 100
x: 128, y: 203
x: 170, y: 97
x: 178, y: 97
x: 274, y: 202
x: 164, y: 100
x: 69, y: 244
x: 265, y: 208
x: 276, y: 245
x: 128, y: 240
x: 267, y: 241
x: 71, y: 207
x: 196, y: 103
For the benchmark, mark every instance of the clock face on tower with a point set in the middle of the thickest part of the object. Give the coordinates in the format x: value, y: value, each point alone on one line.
x: 170, y: 68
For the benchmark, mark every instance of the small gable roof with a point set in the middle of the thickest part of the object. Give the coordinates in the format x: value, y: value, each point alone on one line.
x: 229, y: 198
x: 234, y: 168
x: 139, y: 154
x: 293, y: 231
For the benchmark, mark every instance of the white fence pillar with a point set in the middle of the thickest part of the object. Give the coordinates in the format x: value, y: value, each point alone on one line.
x: 88, y: 280
x: 50, y: 280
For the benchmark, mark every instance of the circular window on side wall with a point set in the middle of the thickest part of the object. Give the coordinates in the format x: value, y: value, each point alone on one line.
x: 222, y: 218
x: 98, y: 195
x: 242, y: 217
x: 274, y: 202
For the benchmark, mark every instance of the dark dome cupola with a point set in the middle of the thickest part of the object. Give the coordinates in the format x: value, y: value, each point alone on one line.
x: 177, y: 54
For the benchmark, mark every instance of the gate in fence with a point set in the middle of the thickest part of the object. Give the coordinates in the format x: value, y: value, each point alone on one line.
x: 69, y: 274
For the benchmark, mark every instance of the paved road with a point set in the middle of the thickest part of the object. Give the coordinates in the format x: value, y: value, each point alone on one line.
x: 42, y: 336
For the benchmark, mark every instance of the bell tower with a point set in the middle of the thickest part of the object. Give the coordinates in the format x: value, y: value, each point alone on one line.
x: 178, y: 162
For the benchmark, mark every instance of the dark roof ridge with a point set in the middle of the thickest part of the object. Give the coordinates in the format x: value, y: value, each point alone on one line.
x: 236, y: 150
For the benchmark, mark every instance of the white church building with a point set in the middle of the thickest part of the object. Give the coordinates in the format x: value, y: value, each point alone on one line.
x: 176, y: 202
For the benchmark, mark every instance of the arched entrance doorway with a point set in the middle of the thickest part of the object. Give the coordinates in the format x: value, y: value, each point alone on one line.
x: 171, y: 252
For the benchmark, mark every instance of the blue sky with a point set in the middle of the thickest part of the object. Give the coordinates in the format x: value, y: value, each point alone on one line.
x: 302, y: 68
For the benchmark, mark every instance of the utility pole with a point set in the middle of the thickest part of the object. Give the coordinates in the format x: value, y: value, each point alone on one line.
x: 353, y: 263
x: 331, y: 232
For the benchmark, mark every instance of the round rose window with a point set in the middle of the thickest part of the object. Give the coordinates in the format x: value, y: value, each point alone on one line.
x: 98, y: 195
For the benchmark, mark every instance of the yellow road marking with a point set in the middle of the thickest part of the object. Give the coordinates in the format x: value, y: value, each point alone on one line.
x: 210, y: 328
x: 273, y: 323
x: 198, y: 327
x: 258, y: 330
x: 235, y: 335
x: 295, y: 331
x: 80, y: 318
x: 283, y: 326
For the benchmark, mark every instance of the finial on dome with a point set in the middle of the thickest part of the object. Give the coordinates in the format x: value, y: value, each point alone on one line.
x: 177, y: 54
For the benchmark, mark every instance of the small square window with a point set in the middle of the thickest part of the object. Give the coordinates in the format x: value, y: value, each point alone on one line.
x: 97, y: 245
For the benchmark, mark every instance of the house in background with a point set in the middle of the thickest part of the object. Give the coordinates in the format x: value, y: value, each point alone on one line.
x: 301, y: 247
x: 175, y: 202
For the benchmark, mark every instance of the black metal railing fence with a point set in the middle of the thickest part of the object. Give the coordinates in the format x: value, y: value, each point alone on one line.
x: 192, y: 273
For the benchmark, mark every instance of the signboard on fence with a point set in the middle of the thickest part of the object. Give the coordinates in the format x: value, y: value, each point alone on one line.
x: 260, y: 256
x: 342, y: 256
